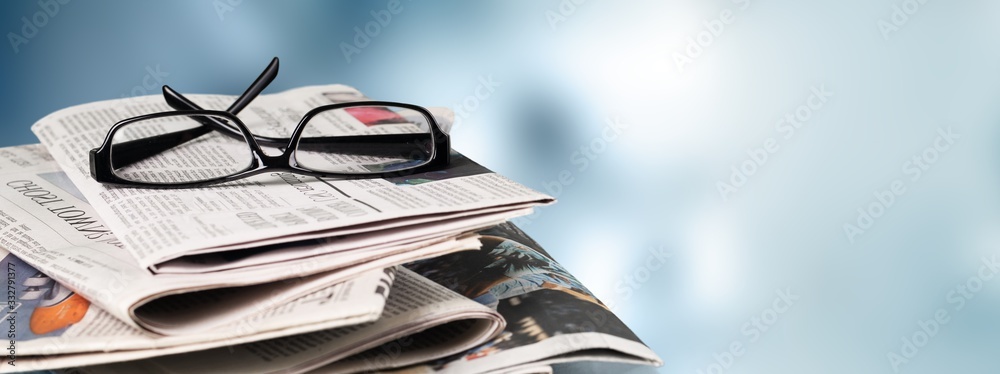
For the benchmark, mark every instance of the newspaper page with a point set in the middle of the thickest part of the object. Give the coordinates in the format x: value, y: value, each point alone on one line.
x: 50, y: 326
x: 68, y: 242
x: 421, y: 321
x: 551, y: 316
x: 159, y: 225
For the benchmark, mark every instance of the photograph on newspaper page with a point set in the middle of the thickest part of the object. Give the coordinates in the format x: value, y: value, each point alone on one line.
x: 549, y: 313
x: 551, y: 317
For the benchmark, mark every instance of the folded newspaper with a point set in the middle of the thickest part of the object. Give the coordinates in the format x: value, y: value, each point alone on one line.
x: 56, y: 328
x: 282, y: 272
x: 164, y: 250
x: 188, y: 230
x: 68, y: 242
x: 551, y: 317
x: 450, y: 325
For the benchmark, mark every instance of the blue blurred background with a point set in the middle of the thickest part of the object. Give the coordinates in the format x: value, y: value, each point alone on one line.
x: 697, y: 241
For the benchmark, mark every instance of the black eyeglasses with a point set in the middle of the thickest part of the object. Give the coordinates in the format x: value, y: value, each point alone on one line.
x: 193, y: 147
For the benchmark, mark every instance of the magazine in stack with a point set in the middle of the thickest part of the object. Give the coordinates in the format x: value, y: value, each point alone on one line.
x: 281, y: 272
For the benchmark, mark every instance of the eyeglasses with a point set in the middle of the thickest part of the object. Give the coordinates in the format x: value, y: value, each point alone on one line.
x: 192, y: 147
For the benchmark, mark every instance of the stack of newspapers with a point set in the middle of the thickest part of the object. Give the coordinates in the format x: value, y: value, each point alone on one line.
x: 281, y: 272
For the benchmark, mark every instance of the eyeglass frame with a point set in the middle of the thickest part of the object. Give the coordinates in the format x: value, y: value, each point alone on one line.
x: 101, y: 166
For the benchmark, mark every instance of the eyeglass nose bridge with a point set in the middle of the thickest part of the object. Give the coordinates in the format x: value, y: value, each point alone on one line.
x: 283, y: 155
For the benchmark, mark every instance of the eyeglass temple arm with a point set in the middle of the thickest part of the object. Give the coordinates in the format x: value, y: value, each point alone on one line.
x: 371, y: 145
x: 179, y: 102
x: 382, y: 145
x: 126, y: 153
x: 367, y: 145
x: 258, y: 85
x: 130, y: 152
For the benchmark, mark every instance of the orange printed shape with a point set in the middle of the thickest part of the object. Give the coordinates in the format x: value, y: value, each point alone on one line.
x: 46, y: 319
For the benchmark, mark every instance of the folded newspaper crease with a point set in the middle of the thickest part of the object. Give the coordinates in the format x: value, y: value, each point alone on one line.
x: 421, y: 321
